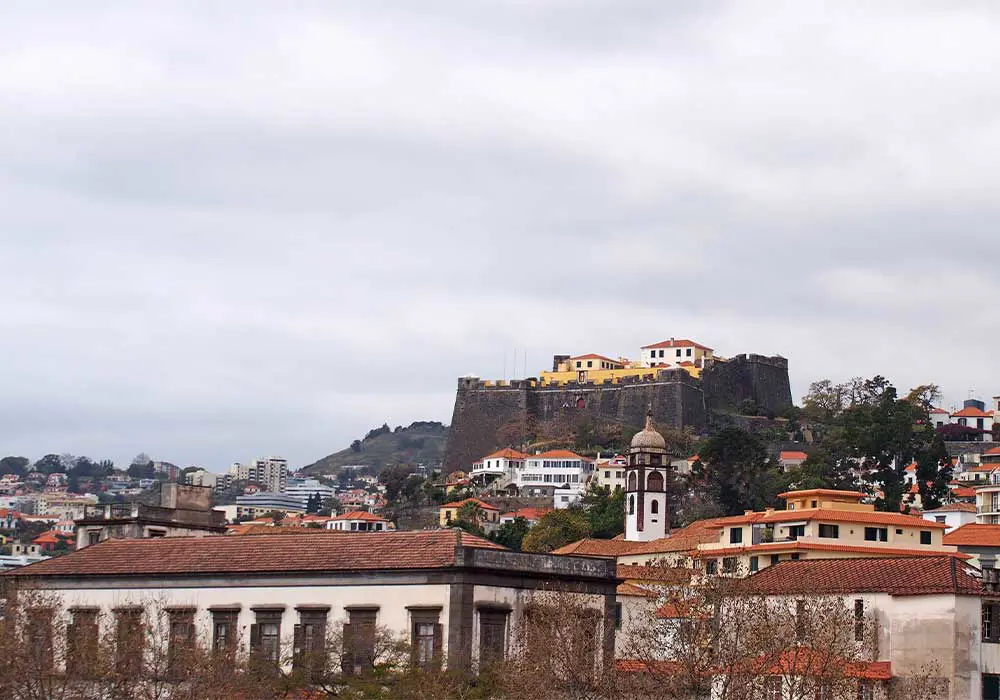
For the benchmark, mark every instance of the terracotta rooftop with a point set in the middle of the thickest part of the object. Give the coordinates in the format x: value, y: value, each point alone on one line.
x: 506, y: 453
x: 792, y: 454
x: 900, y: 576
x: 661, y: 575
x: 559, y: 454
x: 833, y: 493
x: 629, y: 589
x: 681, y: 540
x: 974, y: 535
x: 676, y: 343
x: 278, y: 553
x: 595, y: 356
x: 993, y: 451
x: 972, y: 412
x: 458, y: 504
x: 361, y: 515
x: 954, y: 508
x: 528, y: 513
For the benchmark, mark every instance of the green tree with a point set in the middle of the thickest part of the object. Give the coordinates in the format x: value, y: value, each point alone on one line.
x: 277, y: 516
x: 394, y: 477
x: 49, y: 464
x: 314, y: 504
x: 511, y: 535
x: 605, y: 511
x: 735, y: 468
x: 14, y: 465
x: 556, y: 529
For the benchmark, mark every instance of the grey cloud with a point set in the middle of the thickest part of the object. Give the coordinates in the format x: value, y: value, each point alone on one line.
x: 231, y: 229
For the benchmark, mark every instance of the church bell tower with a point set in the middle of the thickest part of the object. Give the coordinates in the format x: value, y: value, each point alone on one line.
x: 646, y: 516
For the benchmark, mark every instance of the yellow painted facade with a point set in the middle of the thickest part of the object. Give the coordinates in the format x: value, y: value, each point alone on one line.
x: 599, y: 376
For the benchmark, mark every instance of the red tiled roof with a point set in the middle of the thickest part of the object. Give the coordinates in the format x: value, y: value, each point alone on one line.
x: 954, y: 508
x: 964, y: 492
x: 588, y: 547
x: 559, y: 454
x: 682, y: 540
x: 972, y: 412
x: 805, y: 661
x: 629, y: 589
x: 986, y: 467
x: 911, y: 467
x: 360, y: 515
x: 993, y: 451
x: 899, y: 576
x: 676, y: 343
x: 974, y: 535
x: 835, y: 493
x: 458, y: 504
x: 792, y: 454
x: 527, y: 513
x: 506, y: 453
x: 654, y: 574
x: 595, y: 356
x: 278, y: 553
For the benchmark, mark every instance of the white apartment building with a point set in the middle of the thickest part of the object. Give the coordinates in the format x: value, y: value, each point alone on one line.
x: 506, y: 462
x: 555, y: 468
x: 271, y: 473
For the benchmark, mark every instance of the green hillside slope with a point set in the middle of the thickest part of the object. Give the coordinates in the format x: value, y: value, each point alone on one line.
x: 419, y: 443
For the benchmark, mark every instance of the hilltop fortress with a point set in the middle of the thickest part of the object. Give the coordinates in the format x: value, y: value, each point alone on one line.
x: 683, y: 381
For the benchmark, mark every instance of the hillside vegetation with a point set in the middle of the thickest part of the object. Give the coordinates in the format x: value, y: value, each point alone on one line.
x: 421, y: 442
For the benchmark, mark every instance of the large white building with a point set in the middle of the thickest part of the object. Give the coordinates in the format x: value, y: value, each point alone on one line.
x: 458, y: 597
x: 303, y: 488
x: 542, y: 472
x: 676, y: 352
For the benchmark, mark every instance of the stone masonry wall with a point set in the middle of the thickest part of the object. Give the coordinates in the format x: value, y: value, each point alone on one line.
x: 677, y: 400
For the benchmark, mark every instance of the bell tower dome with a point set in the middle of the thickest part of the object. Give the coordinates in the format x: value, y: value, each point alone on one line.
x: 646, y: 516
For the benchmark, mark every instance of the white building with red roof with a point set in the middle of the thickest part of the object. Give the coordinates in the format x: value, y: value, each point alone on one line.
x: 358, y: 521
x: 791, y: 459
x: 973, y: 414
x: 459, y: 598
x: 932, y: 617
x: 674, y: 353
x: 505, y: 462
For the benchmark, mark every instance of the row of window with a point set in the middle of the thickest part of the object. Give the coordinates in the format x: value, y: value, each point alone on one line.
x: 679, y: 353
x: 559, y: 478
x: 309, y: 636
x: 828, y: 531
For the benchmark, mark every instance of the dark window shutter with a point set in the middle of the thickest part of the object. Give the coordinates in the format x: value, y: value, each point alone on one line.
x: 414, y: 651
x: 254, y: 637
x: 438, y: 645
x: 298, y: 650
x: 347, y: 661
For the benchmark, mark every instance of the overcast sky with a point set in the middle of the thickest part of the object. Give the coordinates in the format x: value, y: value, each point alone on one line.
x: 230, y: 229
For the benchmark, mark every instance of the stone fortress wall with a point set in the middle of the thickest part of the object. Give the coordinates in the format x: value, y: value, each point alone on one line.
x: 678, y: 400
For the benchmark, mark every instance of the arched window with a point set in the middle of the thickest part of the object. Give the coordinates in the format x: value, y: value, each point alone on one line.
x: 631, y: 505
x: 654, y: 506
x: 655, y: 481
x: 631, y: 481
